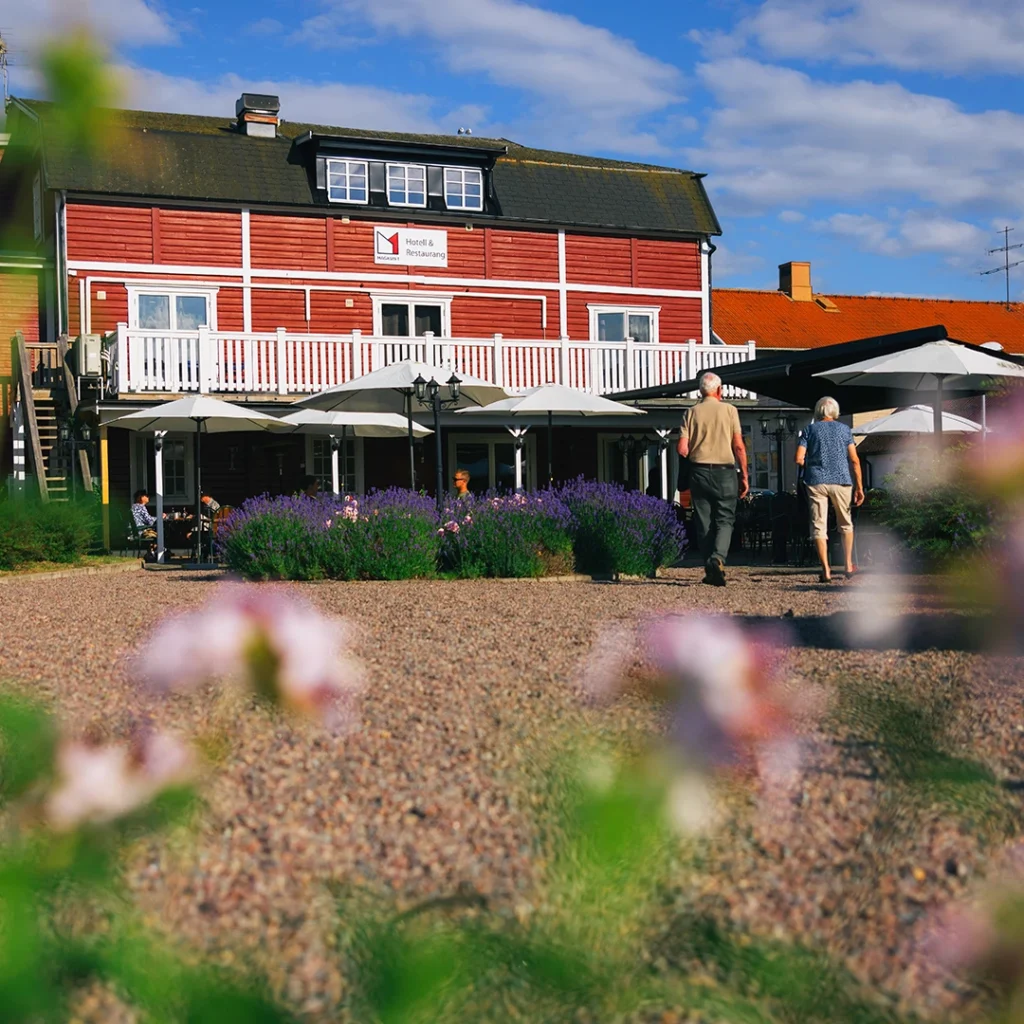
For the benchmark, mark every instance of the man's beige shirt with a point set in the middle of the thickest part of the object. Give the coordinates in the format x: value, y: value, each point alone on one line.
x: 710, y: 426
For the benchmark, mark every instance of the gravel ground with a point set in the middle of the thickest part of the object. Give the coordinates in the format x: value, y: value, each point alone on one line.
x: 469, y: 682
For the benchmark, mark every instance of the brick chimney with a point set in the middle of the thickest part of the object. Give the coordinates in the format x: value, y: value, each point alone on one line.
x: 258, y: 114
x: 795, y: 281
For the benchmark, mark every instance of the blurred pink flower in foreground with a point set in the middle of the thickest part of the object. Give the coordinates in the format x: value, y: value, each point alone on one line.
x: 721, y: 687
x: 100, y: 783
x: 281, y: 647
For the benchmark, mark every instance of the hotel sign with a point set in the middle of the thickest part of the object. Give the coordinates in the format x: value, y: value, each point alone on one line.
x: 409, y: 247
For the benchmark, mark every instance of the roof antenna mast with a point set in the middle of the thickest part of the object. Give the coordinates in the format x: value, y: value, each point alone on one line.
x: 1007, y: 266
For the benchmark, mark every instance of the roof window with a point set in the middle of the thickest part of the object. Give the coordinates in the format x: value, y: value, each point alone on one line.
x: 463, y: 188
x: 407, y: 185
x: 347, y: 181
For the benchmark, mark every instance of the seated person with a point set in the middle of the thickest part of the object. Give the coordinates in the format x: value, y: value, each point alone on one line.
x: 310, y: 487
x: 142, y: 518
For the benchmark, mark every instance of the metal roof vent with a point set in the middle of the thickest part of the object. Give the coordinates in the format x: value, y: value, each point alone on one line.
x: 258, y: 114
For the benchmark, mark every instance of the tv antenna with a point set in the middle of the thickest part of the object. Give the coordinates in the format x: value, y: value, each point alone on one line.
x: 1007, y: 266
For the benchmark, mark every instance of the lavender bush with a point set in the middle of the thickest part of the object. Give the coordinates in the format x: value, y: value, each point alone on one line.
x: 507, y: 535
x: 386, y: 535
x: 620, y: 531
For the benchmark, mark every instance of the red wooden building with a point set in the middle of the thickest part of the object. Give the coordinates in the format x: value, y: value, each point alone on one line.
x: 262, y: 260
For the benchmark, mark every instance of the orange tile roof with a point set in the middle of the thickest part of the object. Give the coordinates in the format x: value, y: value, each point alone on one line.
x: 774, y: 320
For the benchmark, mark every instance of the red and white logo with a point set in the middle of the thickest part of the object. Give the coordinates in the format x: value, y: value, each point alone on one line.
x: 387, y: 242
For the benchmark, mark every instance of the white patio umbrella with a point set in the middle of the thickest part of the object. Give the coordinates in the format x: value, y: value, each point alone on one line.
x: 392, y: 389
x: 353, y: 424
x: 917, y: 419
x: 205, y: 416
x: 929, y: 367
x: 549, y: 400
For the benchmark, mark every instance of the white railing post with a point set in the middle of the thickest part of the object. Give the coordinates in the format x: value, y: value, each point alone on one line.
x: 630, y: 355
x: 499, y: 362
x: 751, y: 349
x: 563, y: 362
x: 282, y: 361
x: 358, y: 362
x: 428, y: 351
x: 203, y: 357
x: 692, y: 369
x: 123, y: 381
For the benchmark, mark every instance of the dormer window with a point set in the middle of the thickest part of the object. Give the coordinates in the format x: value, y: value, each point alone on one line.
x: 407, y: 185
x: 347, y: 181
x: 463, y: 188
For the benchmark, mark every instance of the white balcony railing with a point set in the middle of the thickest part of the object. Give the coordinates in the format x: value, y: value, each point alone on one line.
x: 283, y: 363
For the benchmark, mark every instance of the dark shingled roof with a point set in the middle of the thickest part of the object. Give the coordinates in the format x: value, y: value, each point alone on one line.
x: 185, y: 156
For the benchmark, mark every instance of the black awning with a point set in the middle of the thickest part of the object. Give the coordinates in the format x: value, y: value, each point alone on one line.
x: 790, y: 376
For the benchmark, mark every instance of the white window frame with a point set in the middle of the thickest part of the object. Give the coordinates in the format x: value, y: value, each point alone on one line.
x: 139, y: 467
x: 607, y: 453
x: 360, y: 465
x: 654, y: 312
x: 173, y: 291
x: 403, y: 170
x: 349, y: 164
x: 37, y: 208
x: 463, y: 172
x: 529, y: 456
x: 411, y: 299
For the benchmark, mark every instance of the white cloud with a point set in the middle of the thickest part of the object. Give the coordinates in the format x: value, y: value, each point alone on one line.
x: 588, y: 85
x: 939, y: 36
x: 351, y: 106
x: 265, y: 27
x: 727, y: 263
x: 913, y: 233
x: 790, y: 216
x: 778, y: 135
x: 115, y: 22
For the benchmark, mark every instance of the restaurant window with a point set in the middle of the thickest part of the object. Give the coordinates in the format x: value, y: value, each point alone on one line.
x: 408, y: 318
x: 407, y: 185
x: 178, y: 479
x: 171, y: 310
x: 491, y: 462
x: 615, y: 323
x: 763, y: 459
x: 347, y: 181
x: 318, y: 459
x: 463, y: 188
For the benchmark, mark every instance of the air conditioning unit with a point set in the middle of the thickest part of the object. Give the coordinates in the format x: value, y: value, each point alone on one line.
x: 88, y: 355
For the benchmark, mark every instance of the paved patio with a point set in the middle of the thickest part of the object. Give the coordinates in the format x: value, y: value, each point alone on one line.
x: 470, y: 683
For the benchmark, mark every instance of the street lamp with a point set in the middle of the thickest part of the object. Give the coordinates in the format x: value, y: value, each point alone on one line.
x: 627, y: 446
x: 783, y: 426
x: 428, y: 392
x: 70, y: 444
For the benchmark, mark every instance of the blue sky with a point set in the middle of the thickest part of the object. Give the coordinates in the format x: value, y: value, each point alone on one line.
x: 883, y: 140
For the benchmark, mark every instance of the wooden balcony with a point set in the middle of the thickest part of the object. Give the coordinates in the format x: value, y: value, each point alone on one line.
x: 285, y: 364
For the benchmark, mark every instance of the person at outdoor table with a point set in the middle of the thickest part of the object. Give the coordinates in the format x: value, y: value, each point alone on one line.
x: 310, y: 486
x: 828, y: 456
x: 461, y: 481
x: 712, y: 442
x: 143, y: 519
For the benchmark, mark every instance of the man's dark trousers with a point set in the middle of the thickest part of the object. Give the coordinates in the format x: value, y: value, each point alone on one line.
x: 714, y: 492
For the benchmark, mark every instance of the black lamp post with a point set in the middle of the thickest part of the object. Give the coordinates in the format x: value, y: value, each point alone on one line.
x: 782, y: 427
x: 428, y: 392
x: 70, y: 443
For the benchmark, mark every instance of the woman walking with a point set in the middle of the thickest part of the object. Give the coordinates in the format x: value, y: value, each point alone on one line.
x: 828, y: 455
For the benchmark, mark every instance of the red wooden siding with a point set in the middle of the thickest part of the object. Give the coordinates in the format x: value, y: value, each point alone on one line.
x: 678, y: 319
x: 199, y: 238
x: 106, y: 313
x: 272, y: 309
x: 660, y: 264
x: 288, y: 243
x: 474, y: 317
x: 229, y: 309
x: 329, y: 314
x: 120, y: 234
x: 597, y: 260
x: 522, y: 255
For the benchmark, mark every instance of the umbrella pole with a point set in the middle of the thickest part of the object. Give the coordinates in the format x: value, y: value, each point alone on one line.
x: 199, y: 492
x: 335, y: 482
x: 937, y: 427
x: 158, y: 472
x: 438, y: 454
x: 412, y: 449
x: 551, y: 445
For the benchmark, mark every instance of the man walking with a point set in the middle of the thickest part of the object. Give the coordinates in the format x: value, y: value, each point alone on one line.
x: 712, y: 441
